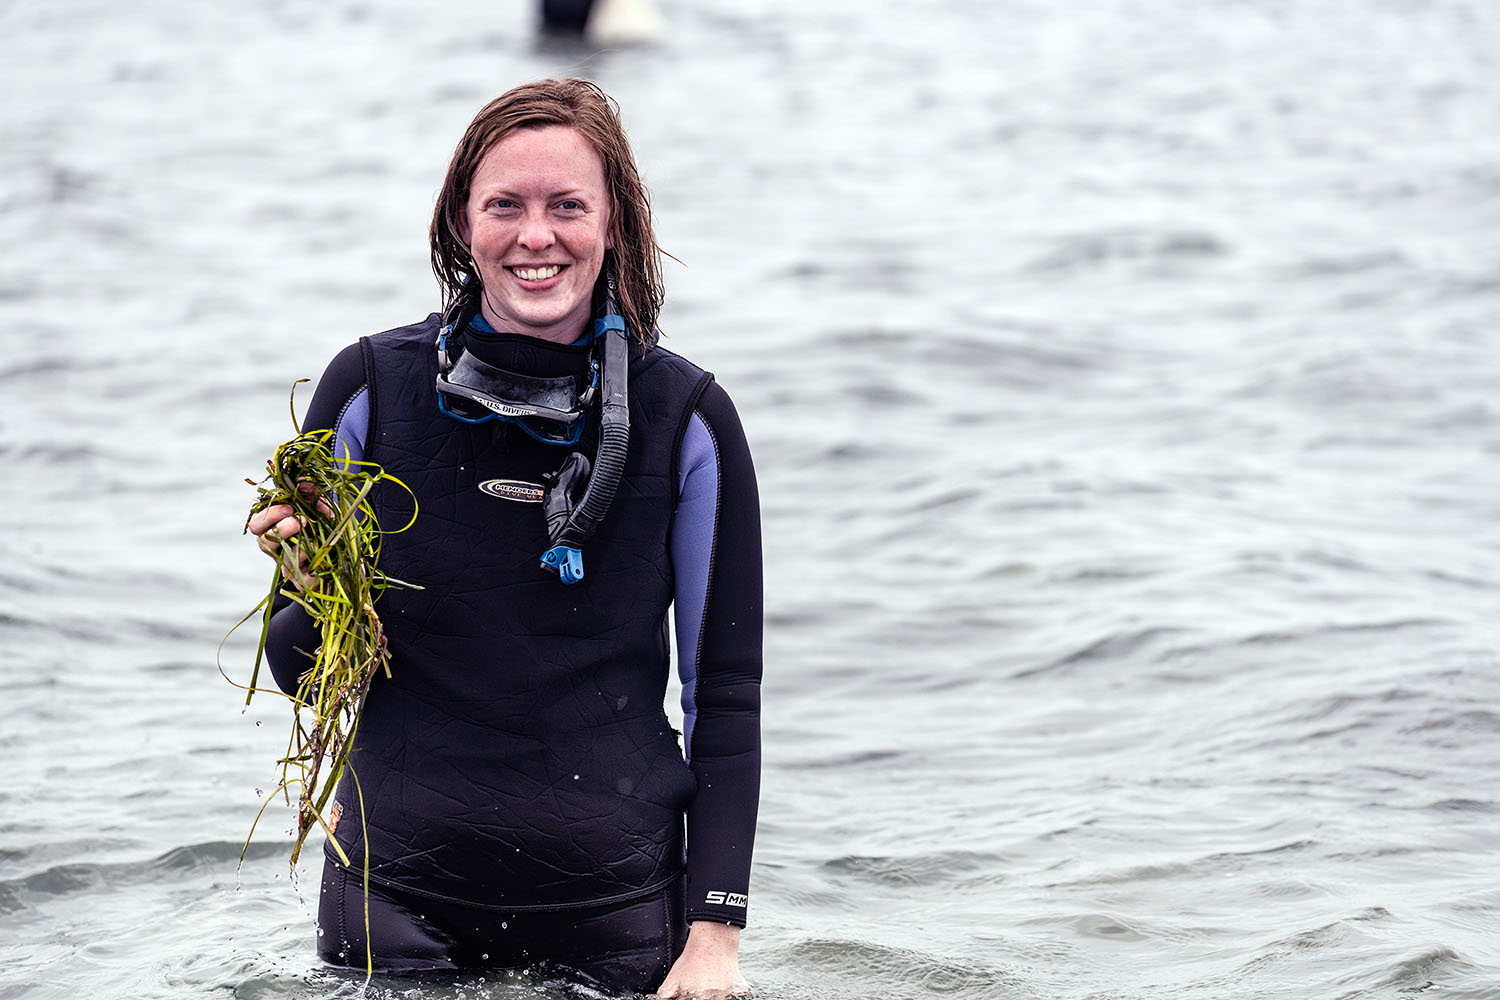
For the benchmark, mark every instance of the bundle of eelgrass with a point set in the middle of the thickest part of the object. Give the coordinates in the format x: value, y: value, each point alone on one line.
x: 329, y: 569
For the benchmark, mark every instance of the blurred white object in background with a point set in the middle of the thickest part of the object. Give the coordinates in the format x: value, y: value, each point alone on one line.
x: 622, y: 22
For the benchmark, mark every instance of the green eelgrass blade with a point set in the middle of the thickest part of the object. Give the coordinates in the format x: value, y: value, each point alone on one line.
x: 265, y: 630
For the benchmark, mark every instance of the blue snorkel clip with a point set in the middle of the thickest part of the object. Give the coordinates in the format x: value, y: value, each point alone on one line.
x: 565, y: 561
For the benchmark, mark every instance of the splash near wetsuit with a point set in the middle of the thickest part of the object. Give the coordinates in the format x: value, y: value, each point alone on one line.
x: 518, y: 763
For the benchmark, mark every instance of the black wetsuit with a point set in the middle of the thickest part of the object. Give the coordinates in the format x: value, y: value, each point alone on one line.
x: 517, y: 769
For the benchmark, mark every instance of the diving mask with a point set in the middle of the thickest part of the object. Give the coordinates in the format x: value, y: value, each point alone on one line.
x: 551, y: 410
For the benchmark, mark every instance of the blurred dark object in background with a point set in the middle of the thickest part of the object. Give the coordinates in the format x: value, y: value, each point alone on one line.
x: 566, y: 16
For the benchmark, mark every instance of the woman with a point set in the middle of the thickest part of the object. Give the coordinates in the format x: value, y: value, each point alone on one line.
x: 523, y: 793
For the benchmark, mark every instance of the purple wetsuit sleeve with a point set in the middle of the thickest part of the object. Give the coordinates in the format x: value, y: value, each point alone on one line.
x: 692, y: 551
x: 343, y: 402
x: 716, y: 558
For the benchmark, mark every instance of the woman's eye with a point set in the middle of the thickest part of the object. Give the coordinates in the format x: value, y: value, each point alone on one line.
x: 569, y: 205
x: 500, y: 204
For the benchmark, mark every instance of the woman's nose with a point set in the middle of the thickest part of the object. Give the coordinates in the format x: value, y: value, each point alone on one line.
x: 536, y: 233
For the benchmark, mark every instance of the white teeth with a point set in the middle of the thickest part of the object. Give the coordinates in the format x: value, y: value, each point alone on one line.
x: 536, y: 273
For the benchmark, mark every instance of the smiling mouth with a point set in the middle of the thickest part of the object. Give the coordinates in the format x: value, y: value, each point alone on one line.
x: 536, y: 273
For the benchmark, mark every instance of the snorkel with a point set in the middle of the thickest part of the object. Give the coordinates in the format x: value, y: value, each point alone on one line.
x: 572, y: 519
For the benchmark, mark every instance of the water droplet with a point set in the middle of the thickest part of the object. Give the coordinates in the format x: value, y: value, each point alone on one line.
x: 504, y: 925
x: 259, y: 793
x: 257, y: 723
x: 575, y: 777
x: 485, y: 957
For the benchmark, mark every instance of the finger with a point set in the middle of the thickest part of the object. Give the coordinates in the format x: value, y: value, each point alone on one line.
x: 310, y: 492
x: 291, y: 563
x: 261, y: 520
x: 294, y: 567
x: 282, y: 531
x: 290, y: 525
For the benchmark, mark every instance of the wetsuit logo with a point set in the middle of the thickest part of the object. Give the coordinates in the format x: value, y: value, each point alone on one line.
x: 727, y: 898
x: 512, y: 489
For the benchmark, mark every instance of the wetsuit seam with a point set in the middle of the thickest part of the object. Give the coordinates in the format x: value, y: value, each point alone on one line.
x: 675, y: 471
x: 367, y: 354
x: 667, y: 925
x: 343, y: 412
x: 344, y: 913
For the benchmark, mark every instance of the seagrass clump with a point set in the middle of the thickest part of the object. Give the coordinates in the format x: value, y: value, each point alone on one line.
x: 330, y: 569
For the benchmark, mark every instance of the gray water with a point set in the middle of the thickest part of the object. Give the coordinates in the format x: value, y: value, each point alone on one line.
x: 1121, y: 377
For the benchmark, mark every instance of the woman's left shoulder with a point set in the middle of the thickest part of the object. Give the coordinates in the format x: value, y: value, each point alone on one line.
x: 665, y: 374
x: 668, y: 361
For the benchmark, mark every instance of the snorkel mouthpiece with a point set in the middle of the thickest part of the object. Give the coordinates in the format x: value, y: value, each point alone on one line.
x: 564, y: 490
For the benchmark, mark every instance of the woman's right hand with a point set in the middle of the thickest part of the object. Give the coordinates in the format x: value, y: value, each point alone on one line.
x: 280, y: 523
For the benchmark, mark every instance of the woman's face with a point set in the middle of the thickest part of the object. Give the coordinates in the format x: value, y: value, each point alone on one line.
x: 537, y: 225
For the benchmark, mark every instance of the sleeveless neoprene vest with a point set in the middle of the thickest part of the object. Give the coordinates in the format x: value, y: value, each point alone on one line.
x: 519, y: 754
